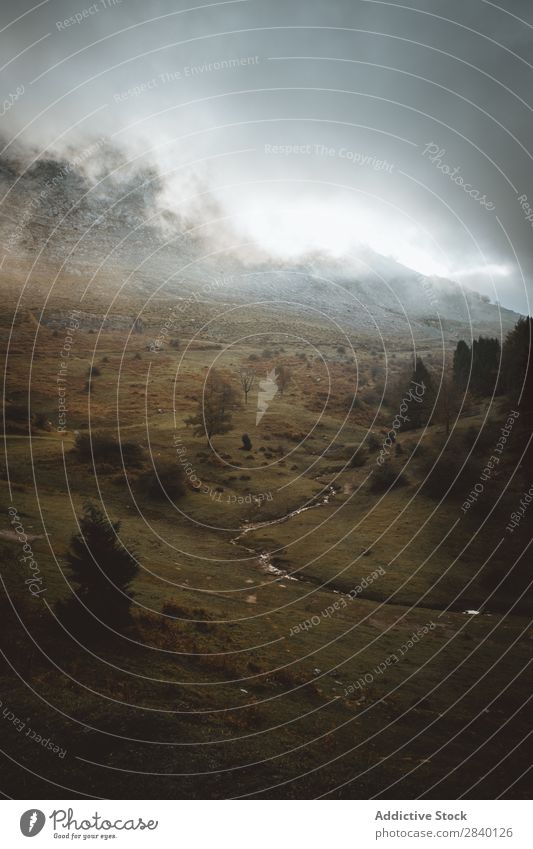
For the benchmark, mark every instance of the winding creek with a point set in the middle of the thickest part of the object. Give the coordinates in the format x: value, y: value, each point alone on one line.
x: 265, y: 564
x: 264, y: 559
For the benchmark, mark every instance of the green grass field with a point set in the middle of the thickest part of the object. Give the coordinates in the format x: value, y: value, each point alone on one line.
x: 217, y: 689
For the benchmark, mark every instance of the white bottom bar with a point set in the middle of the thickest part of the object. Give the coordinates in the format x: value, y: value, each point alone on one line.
x: 268, y: 824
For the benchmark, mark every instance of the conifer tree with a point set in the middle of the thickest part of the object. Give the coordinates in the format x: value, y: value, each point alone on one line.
x: 462, y: 361
x: 102, y: 568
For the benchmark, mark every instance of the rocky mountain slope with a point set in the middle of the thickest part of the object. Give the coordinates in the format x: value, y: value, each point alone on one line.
x: 64, y: 218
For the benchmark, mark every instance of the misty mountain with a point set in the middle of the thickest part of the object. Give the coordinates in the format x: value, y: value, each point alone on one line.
x: 103, y: 215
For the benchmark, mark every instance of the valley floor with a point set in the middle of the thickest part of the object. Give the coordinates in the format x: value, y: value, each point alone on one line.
x: 294, y: 632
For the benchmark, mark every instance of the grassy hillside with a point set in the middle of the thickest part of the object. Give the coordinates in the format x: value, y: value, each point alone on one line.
x: 271, y: 649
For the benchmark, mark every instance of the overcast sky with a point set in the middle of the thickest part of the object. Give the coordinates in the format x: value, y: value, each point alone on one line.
x: 314, y: 124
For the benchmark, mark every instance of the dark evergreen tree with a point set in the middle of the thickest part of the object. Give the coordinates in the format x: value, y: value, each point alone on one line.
x: 516, y: 356
x: 462, y: 360
x: 423, y: 396
x: 476, y: 368
x: 517, y: 383
x: 486, y: 357
x: 102, y: 568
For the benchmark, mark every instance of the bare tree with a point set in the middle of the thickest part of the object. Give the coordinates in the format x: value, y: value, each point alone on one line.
x: 283, y: 377
x: 214, y: 409
x: 247, y: 378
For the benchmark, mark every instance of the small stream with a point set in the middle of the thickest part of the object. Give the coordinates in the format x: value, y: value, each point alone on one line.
x: 264, y: 559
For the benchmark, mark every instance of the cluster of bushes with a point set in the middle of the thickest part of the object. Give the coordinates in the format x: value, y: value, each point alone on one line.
x: 104, y: 449
x: 371, y: 396
x: 386, y: 477
x: 269, y: 353
x: 199, y: 615
x: 157, y: 484
x: 348, y: 402
x: 290, y: 435
x: 162, y: 484
x: 373, y: 443
x: 451, y: 475
x: 19, y: 419
x: 359, y: 458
